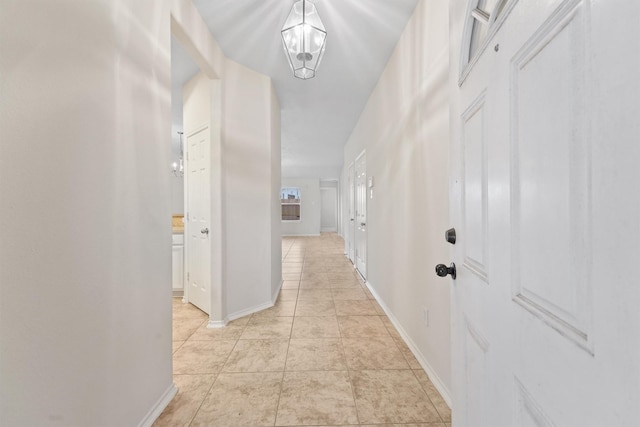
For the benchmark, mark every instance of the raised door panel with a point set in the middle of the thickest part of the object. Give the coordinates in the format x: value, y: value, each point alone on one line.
x: 474, y: 188
x: 475, y: 351
x: 529, y: 412
x: 550, y: 177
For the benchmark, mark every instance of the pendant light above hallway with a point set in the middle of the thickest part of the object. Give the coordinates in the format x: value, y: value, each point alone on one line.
x: 304, y: 39
x: 177, y: 168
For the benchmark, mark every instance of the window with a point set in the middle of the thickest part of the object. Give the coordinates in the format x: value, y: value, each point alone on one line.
x: 482, y: 22
x: 290, y: 202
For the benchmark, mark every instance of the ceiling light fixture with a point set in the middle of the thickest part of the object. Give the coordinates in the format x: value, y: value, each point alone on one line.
x: 177, y: 168
x: 304, y: 39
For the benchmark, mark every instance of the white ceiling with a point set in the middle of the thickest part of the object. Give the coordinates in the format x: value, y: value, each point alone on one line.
x: 319, y: 114
x: 182, y: 70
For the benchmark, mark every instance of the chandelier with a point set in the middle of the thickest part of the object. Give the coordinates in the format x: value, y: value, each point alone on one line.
x: 177, y: 168
x: 304, y: 38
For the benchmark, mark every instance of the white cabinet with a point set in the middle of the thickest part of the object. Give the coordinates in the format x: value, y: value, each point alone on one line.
x: 177, y: 263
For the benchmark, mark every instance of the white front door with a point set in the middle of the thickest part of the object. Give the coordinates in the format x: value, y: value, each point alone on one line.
x: 544, y: 164
x: 198, y: 225
x: 361, y: 214
x: 351, y: 231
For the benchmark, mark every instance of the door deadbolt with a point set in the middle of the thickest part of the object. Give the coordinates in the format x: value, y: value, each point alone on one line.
x: 450, y: 236
x: 442, y: 270
x: 205, y: 231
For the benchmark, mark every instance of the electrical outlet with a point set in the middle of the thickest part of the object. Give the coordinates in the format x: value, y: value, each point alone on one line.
x: 425, y: 315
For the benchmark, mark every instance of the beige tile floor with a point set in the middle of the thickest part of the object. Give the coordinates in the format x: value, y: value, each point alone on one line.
x: 325, y: 354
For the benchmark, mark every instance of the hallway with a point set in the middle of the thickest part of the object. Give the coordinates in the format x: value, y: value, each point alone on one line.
x: 325, y: 354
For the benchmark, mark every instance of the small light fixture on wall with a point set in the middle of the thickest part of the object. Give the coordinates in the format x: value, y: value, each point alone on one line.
x: 177, y: 168
x: 304, y: 39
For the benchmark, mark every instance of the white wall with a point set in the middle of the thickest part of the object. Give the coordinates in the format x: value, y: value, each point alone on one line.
x: 85, y: 247
x: 188, y: 27
x: 180, y: 63
x: 309, y: 224
x: 250, y: 150
x: 405, y: 130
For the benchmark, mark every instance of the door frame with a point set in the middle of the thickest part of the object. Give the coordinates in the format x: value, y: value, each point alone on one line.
x: 217, y: 315
x: 351, y: 222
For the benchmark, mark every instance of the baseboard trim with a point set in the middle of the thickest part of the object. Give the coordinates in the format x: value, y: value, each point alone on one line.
x: 248, y: 311
x: 214, y: 324
x: 160, y: 406
x: 274, y: 295
x: 178, y: 294
x: 301, y: 235
x: 437, y: 382
x: 217, y: 324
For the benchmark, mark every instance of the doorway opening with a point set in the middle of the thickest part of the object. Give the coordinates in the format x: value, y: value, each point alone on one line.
x: 329, y: 199
x: 196, y: 193
x: 183, y: 68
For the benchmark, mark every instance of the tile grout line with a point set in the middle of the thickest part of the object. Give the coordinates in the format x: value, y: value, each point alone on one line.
x: 286, y: 358
x: 284, y: 370
x: 217, y: 374
x: 275, y: 418
x: 346, y: 363
x: 428, y: 397
x: 193, y: 417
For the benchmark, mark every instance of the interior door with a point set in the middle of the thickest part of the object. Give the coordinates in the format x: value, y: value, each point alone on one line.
x: 545, y: 332
x: 361, y: 214
x: 198, y: 219
x: 352, y: 213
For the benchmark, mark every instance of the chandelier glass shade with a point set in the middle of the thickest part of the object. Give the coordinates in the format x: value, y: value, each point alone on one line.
x: 304, y: 39
x: 177, y: 168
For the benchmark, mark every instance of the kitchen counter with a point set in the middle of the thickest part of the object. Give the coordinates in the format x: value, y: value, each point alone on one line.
x: 177, y: 224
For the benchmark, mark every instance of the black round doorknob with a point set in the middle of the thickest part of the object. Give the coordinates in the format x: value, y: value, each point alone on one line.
x: 442, y: 270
